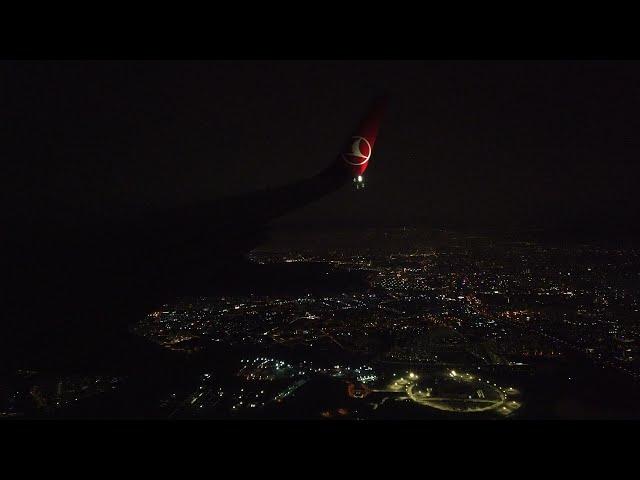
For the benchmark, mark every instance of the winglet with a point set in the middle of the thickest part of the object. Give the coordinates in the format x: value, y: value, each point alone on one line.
x: 357, y: 152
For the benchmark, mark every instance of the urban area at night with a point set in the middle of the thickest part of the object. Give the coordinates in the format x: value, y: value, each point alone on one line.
x: 426, y: 324
x: 320, y: 241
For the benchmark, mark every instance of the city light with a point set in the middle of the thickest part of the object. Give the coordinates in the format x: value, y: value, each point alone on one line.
x: 438, y: 306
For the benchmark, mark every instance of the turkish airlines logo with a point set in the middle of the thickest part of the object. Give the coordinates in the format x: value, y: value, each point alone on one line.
x: 360, y: 152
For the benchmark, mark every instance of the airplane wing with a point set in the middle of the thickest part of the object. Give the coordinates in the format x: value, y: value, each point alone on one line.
x: 68, y: 278
x: 349, y: 166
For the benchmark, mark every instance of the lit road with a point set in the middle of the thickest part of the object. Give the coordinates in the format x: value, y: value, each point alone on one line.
x: 441, y: 402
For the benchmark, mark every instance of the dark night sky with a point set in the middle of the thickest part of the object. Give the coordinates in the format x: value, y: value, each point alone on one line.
x: 464, y: 143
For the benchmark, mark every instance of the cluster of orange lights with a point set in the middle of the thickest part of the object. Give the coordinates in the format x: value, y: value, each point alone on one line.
x: 358, y: 391
x: 340, y: 412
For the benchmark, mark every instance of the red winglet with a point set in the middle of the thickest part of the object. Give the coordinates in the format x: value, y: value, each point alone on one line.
x: 359, y: 148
